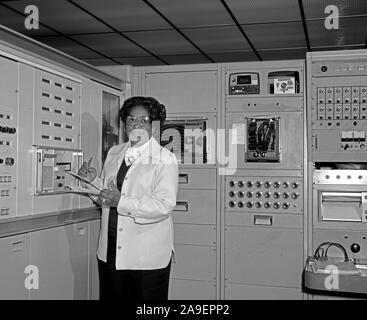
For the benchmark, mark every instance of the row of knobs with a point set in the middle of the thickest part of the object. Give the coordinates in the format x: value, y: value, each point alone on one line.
x: 266, y: 184
x: 258, y: 194
x: 267, y: 205
x: 7, y: 130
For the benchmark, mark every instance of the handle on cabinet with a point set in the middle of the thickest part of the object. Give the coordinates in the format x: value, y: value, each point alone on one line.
x: 182, y: 206
x: 263, y: 220
x: 17, y: 246
x: 183, y: 178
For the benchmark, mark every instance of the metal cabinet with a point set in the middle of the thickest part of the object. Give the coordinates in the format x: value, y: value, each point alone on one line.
x: 61, y: 256
x: 14, y: 253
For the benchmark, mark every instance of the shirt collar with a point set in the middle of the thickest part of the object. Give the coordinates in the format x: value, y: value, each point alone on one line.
x: 132, y: 153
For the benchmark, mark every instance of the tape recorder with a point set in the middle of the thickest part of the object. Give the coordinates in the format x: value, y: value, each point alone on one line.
x: 244, y: 83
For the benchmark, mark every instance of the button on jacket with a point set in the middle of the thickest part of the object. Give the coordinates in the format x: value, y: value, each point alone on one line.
x: 148, y: 196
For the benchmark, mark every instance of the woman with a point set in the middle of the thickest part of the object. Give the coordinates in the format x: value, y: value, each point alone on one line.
x: 140, y: 182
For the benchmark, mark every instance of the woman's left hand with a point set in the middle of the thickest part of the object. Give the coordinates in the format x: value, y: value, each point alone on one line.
x: 110, y: 197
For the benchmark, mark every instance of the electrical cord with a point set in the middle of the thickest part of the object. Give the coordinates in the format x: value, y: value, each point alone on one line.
x: 321, y: 253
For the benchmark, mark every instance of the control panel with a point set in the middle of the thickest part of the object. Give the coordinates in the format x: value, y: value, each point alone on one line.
x: 8, y: 136
x: 274, y: 194
x: 244, y: 83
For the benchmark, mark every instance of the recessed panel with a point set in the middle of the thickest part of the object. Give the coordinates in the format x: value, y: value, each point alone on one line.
x: 140, y: 61
x: 351, y: 31
x: 112, y: 45
x: 185, y: 59
x: 283, y: 54
x: 276, y: 35
x: 15, y: 21
x: 62, y: 15
x: 163, y: 42
x: 316, y: 9
x: 218, y: 39
x: 69, y: 47
x: 252, y: 11
x: 235, y: 56
x: 126, y: 15
x: 189, y: 13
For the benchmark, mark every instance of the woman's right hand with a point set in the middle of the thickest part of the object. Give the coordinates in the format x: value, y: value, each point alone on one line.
x: 87, y: 171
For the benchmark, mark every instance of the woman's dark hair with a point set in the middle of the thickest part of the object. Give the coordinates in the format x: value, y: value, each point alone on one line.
x: 156, y: 110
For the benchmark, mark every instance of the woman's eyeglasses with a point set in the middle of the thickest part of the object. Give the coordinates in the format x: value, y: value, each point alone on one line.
x: 144, y: 121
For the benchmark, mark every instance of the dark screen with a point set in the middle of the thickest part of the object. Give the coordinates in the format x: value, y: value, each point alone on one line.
x: 244, y: 80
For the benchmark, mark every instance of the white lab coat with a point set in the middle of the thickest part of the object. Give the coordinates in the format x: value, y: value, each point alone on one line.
x: 148, y: 196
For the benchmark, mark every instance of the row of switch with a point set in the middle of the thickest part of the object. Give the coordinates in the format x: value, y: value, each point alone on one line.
x: 266, y: 184
x: 341, y: 112
x: 276, y: 195
x: 266, y: 205
x: 341, y: 95
x: 5, y: 179
x: 10, y: 130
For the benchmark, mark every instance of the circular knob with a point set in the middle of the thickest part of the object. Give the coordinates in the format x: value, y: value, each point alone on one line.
x: 232, y: 183
x: 258, y: 194
x: 286, y: 184
x: 267, y: 205
x: 240, y: 204
x: 276, y: 195
x: 249, y: 194
x: 285, y: 195
x: 249, y: 204
x: 276, y: 205
x: 241, y: 194
x: 295, y: 185
x: 355, y: 247
x: 9, y: 161
x: 258, y: 204
x: 294, y: 195
x: 249, y: 184
x: 258, y: 184
x: 240, y: 184
x: 232, y: 194
x: 285, y: 205
x: 1, y: 161
x: 267, y: 194
x: 276, y: 184
x: 267, y: 184
x: 232, y: 204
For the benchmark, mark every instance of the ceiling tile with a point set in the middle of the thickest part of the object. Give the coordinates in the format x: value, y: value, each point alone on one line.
x: 62, y: 16
x: 111, y: 44
x: 68, y: 46
x: 259, y: 11
x: 315, y: 9
x: 15, y: 21
x: 193, y: 13
x: 126, y: 15
x: 233, y: 56
x: 140, y: 61
x: 163, y: 42
x: 185, y: 59
x: 100, y: 62
x: 217, y: 38
x: 283, y: 54
x: 351, y: 31
x: 276, y: 35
